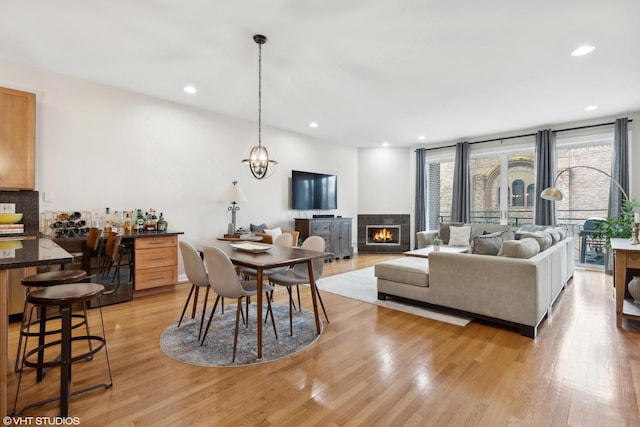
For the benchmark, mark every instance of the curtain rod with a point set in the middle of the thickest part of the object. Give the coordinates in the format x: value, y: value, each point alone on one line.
x: 528, y: 134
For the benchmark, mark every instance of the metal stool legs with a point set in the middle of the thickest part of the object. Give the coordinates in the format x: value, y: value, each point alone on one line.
x: 65, y: 343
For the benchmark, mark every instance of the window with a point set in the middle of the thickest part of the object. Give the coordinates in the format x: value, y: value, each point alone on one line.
x: 517, y: 188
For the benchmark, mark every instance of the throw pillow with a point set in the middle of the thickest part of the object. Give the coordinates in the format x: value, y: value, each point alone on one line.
x: 525, y: 248
x: 487, y: 244
x: 444, y: 230
x: 562, y: 232
x: 273, y: 232
x: 258, y: 228
x: 555, y: 235
x: 459, y: 236
x: 544, y: 239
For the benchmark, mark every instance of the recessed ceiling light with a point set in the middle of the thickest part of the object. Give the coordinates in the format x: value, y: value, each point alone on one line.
x: 583, y: 50
x: 421, y: 137
x: 591, y: 108
x: 313, y: 125
x: 190, y: 89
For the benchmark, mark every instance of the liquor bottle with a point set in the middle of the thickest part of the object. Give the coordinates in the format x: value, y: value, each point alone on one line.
x: 127, y: 223
x: 139, y: 222
x: 154, y: 219
x: 107, y: 221
x: 162, y: 224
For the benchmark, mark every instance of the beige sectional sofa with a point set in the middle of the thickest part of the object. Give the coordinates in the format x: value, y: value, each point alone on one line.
x: 516, y: 287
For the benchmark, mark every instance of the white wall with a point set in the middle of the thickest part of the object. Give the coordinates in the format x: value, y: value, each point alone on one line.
x: 100, y: 147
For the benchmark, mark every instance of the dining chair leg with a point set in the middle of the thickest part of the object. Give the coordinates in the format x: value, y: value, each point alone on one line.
x: 322, y: 304
x: 196, y: 294
x: 273, y: 320
x: 291, y: 305
x: 299, y: 303
x: 204, y: 310
x: 235, y: 335
x: 186, y: 304
x: 246, y: 323
x: 204, y: 337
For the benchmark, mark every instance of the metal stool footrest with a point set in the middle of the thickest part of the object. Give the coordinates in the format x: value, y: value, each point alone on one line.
x: 57, y: 362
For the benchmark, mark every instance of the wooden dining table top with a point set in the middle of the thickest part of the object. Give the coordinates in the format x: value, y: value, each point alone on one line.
x: 276, y: 256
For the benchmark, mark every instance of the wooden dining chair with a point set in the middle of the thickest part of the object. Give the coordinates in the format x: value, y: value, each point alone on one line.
x: 225, y: 282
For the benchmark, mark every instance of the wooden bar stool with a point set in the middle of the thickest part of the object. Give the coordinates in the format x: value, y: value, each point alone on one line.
x: 51, y: 278
x: 63, y: 297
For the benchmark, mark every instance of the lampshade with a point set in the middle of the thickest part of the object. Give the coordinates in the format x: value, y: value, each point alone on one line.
x: 234, y: 194
x: 551, y: 193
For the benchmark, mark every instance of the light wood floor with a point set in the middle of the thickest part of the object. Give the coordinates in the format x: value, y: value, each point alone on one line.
x: 373, y: 366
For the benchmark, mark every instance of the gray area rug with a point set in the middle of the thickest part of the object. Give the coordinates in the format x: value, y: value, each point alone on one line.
x: 181, y: 343
x: 361, y: 285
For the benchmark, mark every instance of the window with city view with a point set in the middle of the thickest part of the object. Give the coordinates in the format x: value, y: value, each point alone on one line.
x: 509, y: 196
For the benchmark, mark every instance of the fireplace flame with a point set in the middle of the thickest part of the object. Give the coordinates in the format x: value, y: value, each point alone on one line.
x: 382, y: 235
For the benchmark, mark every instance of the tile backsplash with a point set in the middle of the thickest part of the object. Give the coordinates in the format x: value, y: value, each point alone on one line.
x: 27, y: 203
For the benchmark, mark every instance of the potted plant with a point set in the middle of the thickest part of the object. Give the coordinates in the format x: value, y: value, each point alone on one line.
x: 436, y: 242
x: 618, y: 226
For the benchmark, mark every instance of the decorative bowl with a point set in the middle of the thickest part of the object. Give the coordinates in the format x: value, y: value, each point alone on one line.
x: 8, y: 218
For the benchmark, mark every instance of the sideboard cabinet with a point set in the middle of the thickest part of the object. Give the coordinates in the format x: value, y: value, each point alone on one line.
x: 17, y: 139
x: 336, y: 233
x: 156, y: 261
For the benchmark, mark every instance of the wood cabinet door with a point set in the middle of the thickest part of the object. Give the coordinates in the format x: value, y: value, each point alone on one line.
x: 17, y: 139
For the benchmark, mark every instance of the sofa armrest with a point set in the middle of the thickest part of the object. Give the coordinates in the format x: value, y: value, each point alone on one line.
x: 424, y: 238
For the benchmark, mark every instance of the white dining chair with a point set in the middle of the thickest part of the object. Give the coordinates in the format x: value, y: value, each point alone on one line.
x: 225, y: 282
x: 299, y: 275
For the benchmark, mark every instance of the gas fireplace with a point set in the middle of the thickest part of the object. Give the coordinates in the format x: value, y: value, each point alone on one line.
x: 383, y: 235
x: 387, y: 233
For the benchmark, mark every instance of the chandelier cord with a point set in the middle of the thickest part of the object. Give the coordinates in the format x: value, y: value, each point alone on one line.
x: 260, y: 94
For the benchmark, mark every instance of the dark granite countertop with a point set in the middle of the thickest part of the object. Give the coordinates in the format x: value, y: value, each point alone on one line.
x: 19, y: 253
x: 129, y: 236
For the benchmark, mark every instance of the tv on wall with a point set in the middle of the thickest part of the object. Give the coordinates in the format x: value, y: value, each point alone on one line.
x: 313, y: 191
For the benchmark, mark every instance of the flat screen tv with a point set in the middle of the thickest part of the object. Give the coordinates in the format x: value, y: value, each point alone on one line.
x: 313, y: 191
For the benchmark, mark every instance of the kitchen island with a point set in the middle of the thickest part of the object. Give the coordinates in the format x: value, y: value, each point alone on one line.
x: 20, y: 253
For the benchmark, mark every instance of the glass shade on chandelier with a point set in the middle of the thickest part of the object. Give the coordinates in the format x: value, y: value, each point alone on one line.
x: 260, y: 164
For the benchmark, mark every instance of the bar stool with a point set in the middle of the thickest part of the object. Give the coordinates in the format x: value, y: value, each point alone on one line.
x: 63, y: 297
x: 51, y: 278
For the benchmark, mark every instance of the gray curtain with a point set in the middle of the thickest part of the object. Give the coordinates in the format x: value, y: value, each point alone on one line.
x: 619, y: 172
x: 461, y: 203
x: 421, y: 194
x: 545, y: 213
x: 619, y: 167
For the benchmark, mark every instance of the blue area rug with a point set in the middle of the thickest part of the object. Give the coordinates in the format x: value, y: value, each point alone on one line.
x: 181, y: 343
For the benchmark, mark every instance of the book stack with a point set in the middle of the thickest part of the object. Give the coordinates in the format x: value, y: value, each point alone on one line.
x: 11, y: 228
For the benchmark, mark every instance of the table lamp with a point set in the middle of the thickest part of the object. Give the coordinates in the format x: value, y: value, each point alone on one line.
x: 234, y: 195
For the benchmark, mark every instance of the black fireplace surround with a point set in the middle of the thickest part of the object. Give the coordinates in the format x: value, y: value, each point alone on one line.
x: 397, y: 225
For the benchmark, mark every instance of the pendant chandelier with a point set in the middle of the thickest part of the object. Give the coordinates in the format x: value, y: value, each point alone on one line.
x: 260, y: 165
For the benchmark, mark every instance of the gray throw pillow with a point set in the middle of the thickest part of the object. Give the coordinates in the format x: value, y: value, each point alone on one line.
x: 544, y: 239
x: 258, y: 228
x: 487, y: 244
x: 525, y: 248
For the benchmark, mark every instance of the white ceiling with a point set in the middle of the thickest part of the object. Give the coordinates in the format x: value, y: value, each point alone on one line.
x: 367, y: 71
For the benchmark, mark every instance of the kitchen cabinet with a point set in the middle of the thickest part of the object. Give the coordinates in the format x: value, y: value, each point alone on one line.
x: 17, y: 139
x: 155, y: 261
x: 336, y: 233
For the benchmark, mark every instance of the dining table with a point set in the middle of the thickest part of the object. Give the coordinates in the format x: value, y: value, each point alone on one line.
x: 266, y: 256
